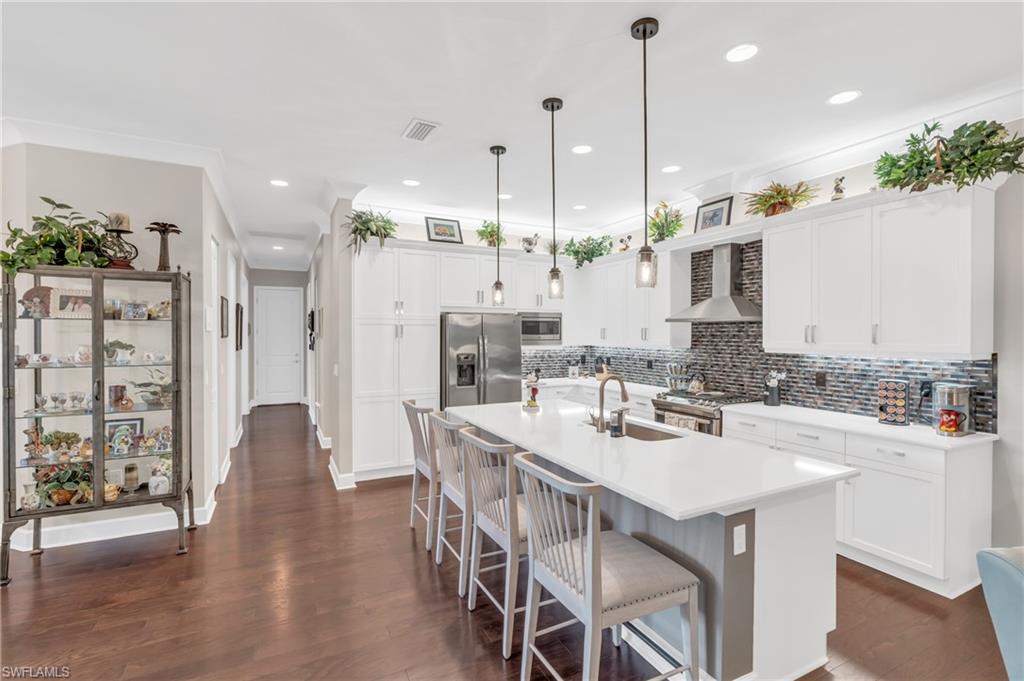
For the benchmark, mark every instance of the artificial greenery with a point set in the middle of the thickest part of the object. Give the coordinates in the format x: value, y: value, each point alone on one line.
x: 57, y: 438
x: 61, y: 237
x: 554, y: 247
x: 974, y: 152
x: 76, y: 478
x: 157, y: 390
x: 665, y: 222
x: 111, y: 347
x: 488, y: 233
x: 779, y: 198
x: 587, y: 248
x: 366, y: 224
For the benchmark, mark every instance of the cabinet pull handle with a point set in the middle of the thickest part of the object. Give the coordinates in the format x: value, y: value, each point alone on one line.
x: 396, y: 331
x: 894, y: 452
x: 97, y: 391
x: 401, y: 307
x: 748, y: 424
x: 874, y: 334
x: 807, y: 331
x: 809, y: 436
x: 814, y: 333
x: 396, y: 307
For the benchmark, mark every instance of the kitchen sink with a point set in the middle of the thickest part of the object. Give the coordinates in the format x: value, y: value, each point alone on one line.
x: 638, y: 432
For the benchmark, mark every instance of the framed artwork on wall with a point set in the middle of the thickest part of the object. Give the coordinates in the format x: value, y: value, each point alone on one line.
x: 224, y: 322
x: 714, y: 214
x: 239, y: 313
x: 444, y: 230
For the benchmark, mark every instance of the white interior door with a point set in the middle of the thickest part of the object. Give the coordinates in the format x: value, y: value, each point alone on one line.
x: 280, y: 327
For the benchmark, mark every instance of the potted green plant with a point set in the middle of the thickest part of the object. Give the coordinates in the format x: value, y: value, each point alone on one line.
x: 367, y: 224
x: 973, y: 153
x: 665, y: 222
x: 118, y: 350
x: 587, y: 249
x: 779, y: 198
x: 61, y: 237
x: 158, y: 391
x: 554, y: 247
x: 488, y: 233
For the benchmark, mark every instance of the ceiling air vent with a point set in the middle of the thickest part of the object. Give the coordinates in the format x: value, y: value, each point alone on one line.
x: 419, y: 130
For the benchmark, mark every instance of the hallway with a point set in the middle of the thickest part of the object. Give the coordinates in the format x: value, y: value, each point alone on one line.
x: 294, y: 580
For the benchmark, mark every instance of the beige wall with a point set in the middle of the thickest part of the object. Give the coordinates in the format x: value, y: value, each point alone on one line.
x: 147, y: 191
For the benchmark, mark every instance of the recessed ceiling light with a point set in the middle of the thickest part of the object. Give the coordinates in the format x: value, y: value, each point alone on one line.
x: 411, y: 183
x: 582, y: 149
x: 670, y: 169
x: 279, y: 183
x: 844, y: 97
x: 504, y: 197
x: 741, y: 53
x: 579, y: 206
x: 278, y: 248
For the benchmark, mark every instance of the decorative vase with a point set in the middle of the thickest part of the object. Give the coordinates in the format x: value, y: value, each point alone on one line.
x: 61, y: 497
x: 30, y: 500
x: 777, y: 209
x: 159, y: 484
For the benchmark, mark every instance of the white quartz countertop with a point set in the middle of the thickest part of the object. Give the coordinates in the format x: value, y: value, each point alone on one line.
x: 682, y: 478
x: 863, y: 425
x: 638, y: 389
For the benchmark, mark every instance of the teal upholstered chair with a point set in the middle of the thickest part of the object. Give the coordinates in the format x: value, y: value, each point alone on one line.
x: 1002, y: 578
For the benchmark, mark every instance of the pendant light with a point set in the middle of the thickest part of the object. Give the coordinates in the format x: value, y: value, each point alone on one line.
x: 498, y: 289
x: 647, y: 260
x: 556, y: 288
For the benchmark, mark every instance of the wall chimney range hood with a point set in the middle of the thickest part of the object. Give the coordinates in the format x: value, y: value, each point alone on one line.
x: 726, y: 303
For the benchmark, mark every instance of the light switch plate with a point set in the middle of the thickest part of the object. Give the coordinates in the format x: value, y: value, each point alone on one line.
x: 739, y: 539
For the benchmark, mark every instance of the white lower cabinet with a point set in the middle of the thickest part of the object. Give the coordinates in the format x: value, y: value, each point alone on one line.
x: 374, y: 433
x: 897, y: 513
x: 919, y: 509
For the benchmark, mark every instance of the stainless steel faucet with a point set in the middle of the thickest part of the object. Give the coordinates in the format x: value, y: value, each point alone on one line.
x: 600, y: 423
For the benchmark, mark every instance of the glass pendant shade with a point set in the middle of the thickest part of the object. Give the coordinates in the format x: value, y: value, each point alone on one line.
x: 498, y: 293
x: 646, y: 268
x: 555, y: 289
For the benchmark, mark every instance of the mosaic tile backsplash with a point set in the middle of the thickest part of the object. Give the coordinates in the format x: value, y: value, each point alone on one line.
x: 732, y: 359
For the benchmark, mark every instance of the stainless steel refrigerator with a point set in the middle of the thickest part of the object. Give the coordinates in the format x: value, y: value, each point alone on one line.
x: 481, y: 357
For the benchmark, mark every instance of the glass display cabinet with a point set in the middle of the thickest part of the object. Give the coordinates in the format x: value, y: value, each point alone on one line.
x: 96, y: 399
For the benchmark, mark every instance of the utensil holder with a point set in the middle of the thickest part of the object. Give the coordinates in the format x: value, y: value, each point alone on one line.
x: 772, y: 396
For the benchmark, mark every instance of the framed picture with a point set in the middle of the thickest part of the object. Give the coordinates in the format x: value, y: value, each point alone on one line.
x: 238, y: 326
x: 70, y: 304
x: 717, y: 213
x: 36, y: 302
x: 444, y: 230
x: 135, y: 311
x: 135, y: 426
x: 224, y: 322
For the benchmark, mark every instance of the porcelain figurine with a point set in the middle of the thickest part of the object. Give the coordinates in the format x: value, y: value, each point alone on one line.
x: 838, y: 192
x: 530, y: 242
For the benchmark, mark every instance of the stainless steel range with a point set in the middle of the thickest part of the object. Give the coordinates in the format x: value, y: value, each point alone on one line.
x: 696, y: 411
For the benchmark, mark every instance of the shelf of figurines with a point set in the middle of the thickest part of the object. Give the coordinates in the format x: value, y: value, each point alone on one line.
x: 50, y: 303
x: 60, y: 487
x: 117, y: 354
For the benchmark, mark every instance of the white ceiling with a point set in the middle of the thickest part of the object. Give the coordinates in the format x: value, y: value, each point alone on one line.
x: 321, y: 92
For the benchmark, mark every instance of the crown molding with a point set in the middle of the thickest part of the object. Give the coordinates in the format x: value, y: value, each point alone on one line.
x: 25, y: 131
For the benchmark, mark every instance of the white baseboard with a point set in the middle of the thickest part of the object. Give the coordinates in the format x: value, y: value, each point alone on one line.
x: 385, y: 472
x: 224, y: 468
x: 238, y: 436
x: 311, y: 410
x: 325, y: 442
x: 944, y: 587
x: 155, y: 519
x: 341, y: 480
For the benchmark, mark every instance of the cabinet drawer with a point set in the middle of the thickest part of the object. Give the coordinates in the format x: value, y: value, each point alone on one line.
x: 738, y: 435
x: 813, y: 452
x: 897, y: 454
x: 742, y: 425
x: 811, y: 436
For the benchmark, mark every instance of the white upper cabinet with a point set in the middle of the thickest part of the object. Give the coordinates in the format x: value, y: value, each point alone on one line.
x: 613, y: 282
x: 460, y: 280
x: 531, y: 290
x: 377, y: 275
x: 787, y: 285
x: 841, y: 284
x: 910, y: 277
x: 417, y: 284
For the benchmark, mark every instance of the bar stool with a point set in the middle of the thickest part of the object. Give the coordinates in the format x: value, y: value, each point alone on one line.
x: 492, y: 480
x: 602, y: 578
x: 454, y: 490
x: 425, y: 466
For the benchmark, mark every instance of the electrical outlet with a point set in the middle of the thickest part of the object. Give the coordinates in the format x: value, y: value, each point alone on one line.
x: 583, y: 360
x: 820, y: 379
x: 650, y: 364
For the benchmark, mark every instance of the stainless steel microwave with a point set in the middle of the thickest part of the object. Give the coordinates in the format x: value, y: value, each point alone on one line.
x: 541, y: 328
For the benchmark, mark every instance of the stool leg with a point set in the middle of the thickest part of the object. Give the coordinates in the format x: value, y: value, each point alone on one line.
x: 617, y: 635
x: 431, y: 511
x: 464, y: 549
x: 415, y: 496
x: 442, y: 525
x: 530, y: 626
x: 511, y: 587
x: 592, y: 651
x: 693, y: 606
x: 474, y: 567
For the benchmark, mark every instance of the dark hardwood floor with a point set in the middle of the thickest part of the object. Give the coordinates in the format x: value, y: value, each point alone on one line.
x: 294, y: 580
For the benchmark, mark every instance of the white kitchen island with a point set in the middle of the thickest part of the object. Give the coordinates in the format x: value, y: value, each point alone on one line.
x: 756, y: 525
